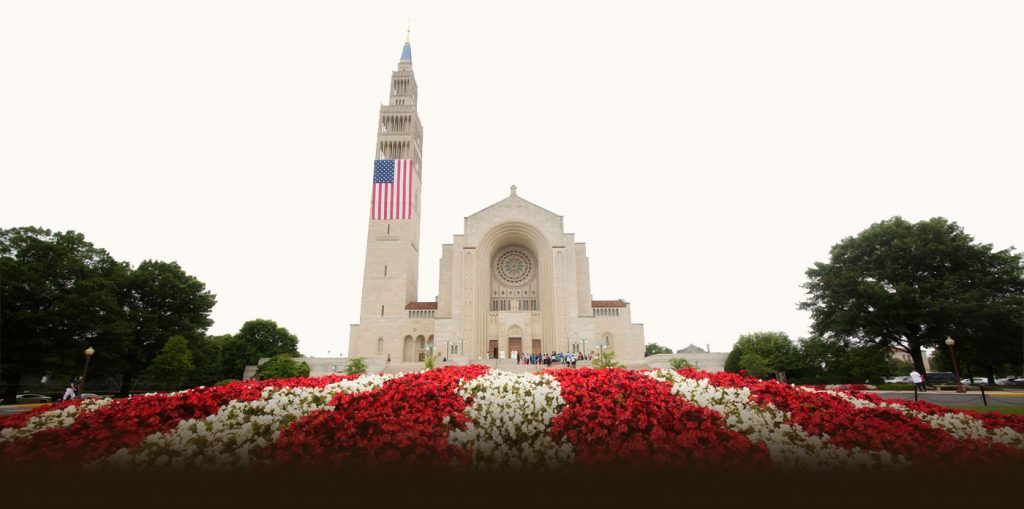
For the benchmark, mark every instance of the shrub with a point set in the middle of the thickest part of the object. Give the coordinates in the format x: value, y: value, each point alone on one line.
x: 679, y: 363
x: 282, y: 366
x: 430, y: 361
x: 172, y: 367
x: 606, y: 359
x: 356, y: 366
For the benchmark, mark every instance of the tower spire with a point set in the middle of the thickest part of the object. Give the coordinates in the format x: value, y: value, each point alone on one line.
x: 407, y: 49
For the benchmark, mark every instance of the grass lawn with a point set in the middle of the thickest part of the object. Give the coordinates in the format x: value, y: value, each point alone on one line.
x: 1006, y: 409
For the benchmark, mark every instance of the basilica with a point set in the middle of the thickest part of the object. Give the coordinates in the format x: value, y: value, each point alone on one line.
x: 513, y: 282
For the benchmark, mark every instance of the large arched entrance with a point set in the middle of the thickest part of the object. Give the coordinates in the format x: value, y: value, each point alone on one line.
x: 514, y: 291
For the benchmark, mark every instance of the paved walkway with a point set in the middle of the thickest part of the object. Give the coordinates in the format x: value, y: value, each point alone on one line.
x: 1008, y: 398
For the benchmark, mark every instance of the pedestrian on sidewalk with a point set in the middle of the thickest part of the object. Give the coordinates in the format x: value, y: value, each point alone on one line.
x: 69, y: 393
x: 918, y: 380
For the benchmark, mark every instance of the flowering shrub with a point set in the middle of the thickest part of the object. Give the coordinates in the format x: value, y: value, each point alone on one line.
x: 403, y: 424
x: 509, y: 416
x: 616, y: 416
x: 857, y: 421
x: 237, y: 434
x: 125, y: 422
x: 789, y: 445
x: 470, y: 417
x: 47, y: 417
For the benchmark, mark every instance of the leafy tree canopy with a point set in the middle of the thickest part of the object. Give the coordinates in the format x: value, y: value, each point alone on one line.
x: 282, y: 366
x: 255, y: 340
x: 162, y: 300
x: 768, y: 352
x: 654, y: 348
x: 58, y: 295
x: 173, y: 365
x: 910, y: 285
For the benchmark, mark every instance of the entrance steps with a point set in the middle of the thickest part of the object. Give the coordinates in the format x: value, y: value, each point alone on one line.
x: 499, y: 364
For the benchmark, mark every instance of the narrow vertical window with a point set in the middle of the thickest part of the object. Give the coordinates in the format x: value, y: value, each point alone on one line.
x: 389, y: 228
x: 382, y: 310
x: 380, y: 345
x: 385, y: 271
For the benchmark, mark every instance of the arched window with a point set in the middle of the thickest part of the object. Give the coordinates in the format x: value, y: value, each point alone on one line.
x: 380, y: 345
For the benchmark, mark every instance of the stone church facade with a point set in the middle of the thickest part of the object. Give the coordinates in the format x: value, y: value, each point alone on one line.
x: 513, y: 282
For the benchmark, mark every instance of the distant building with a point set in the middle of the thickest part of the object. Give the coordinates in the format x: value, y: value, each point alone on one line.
x: 900, y: 355
x: 692, y: 349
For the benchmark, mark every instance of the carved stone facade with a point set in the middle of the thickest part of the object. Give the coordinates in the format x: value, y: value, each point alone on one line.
x: 513, y: 282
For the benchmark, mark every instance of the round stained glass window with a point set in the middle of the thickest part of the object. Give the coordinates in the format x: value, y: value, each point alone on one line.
x: 513, y: 267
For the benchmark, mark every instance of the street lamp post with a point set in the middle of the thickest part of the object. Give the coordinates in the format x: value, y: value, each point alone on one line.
x: 88, y: 355
x: 956, y: 369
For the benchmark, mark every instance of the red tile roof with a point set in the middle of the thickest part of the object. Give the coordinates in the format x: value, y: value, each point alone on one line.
x: 608, y: 303
x: 421, y: 305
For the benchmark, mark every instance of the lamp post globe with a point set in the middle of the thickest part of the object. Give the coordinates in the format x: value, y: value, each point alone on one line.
x: 85, y: 371
x: 956, y: 370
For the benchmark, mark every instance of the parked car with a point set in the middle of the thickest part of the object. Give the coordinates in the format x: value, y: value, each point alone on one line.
x: 1013, y: 381
x: 33, y: 398
x: 940, y: 378
x: 898, y: 380
x: 977, y: 381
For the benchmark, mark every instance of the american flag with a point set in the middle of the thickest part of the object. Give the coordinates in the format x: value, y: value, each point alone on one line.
x: 392, y: 189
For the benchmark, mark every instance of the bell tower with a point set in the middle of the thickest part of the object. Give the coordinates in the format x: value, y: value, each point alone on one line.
x: 391, y: 270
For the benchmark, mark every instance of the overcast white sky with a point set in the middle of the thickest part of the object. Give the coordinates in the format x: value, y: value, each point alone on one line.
x: 708, y: 153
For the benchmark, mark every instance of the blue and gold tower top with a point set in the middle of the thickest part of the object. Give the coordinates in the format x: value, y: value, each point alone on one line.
x: 406, y: 50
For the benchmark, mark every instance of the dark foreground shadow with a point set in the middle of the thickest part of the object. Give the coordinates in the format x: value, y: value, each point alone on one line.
x: 619, y: 488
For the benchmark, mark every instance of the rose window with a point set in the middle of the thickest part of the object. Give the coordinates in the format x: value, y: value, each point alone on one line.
x: 514, y: 267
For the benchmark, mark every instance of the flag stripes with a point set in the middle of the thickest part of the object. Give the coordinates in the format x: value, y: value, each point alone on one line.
x: 392, y: 189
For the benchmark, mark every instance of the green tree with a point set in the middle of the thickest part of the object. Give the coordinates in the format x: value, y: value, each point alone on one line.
x: 234, y: 356
x: 678, y: 363
x: 255, y: 340
x: 654, y: 348
x: 768, y: 353
x: 163, y: 300
x: 756, y: 364
x: 899, y: 367
x: 356, y: 366
x: 605, y: 359
x: 830, y: 360
x: 282, y: 366
x: 58, y: 295
x: 910, y: 285
x: 206, y: 356
x: 173, y: 365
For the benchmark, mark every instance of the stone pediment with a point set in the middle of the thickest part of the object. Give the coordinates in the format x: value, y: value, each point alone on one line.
x: 515, y: 204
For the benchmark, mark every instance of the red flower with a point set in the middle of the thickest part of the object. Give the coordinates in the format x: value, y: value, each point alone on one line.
x: 402, y: 424
x: 125, y: 422
x: 615, y: 416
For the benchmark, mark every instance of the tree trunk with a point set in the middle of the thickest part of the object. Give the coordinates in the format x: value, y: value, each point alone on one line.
x: 915, y: 355
x: 12, y: 379
x: 126, y: 383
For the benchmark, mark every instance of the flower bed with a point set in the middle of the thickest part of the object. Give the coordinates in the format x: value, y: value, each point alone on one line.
x: 470, y: 417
